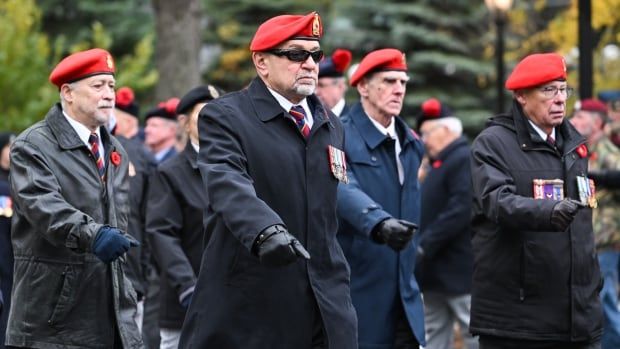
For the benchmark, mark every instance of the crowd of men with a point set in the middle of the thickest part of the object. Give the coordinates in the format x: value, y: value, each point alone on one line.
x: 281, y: 216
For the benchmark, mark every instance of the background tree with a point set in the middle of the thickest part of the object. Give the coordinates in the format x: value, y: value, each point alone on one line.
x: 178, y: 29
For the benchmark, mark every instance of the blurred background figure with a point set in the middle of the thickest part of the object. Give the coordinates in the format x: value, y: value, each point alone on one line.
x: 332, y: 85
x: 444, y: 260
x: 590, y: 119
x: 6, y: 250
x: 160, y: 132
x: 176, y: 203
x: 141, y: 163
x: 612, y: 128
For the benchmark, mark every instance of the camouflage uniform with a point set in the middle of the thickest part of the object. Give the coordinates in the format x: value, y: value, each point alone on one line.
x: 604, y: 155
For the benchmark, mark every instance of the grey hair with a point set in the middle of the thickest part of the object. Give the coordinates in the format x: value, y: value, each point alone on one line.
x: 72, y: 86
x: 452, y: 123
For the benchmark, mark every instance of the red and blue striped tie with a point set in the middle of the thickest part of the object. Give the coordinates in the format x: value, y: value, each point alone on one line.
x: 299, y: 114
x: 94, y: 148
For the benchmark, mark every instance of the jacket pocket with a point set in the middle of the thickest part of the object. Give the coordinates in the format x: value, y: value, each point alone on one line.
x: 528, y: 274
x: 66, y: 297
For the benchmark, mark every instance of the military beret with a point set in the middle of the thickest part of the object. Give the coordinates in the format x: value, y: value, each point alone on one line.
x: 433, y: 109
x: 278, y: 29
x: 336, y: 64
x: 537, y: 69
x: 126, y: 101
x: 379, y: 60
x: 609, y: 95
x: 81, y: 65
x: 197, y: 95
x: 165, y: 110
x: 6, y: 138
x: 594, y: 105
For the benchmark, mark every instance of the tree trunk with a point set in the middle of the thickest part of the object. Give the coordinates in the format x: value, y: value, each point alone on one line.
x: 177, y: 24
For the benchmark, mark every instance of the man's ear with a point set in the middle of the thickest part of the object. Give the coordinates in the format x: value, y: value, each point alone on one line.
x: 260, y: 62
x: 67, y: 92
x: 520, y: 96
x: 362, y: 87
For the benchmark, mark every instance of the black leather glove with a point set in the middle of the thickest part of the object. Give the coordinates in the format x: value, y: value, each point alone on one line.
x: 396, y: 233
x: 563, y: 213
x: 275, y: 247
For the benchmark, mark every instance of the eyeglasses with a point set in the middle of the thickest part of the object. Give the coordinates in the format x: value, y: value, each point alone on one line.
x: 552, y: 91
x: 298, y: 55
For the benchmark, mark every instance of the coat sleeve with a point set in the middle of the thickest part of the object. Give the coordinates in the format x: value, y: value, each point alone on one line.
x: 356, y: 208
x: 495, y: 189
x: 164, y: 224
x: 457, y: 210
x: 224, y: 167
x: 39, y: 197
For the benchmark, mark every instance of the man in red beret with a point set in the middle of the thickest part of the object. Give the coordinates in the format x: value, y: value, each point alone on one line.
x: 536, y: 280
x: 69, y: 179
x: 271, y: 156
x: 332, y: 85
x: 379, y: 209
x: 590, y: 119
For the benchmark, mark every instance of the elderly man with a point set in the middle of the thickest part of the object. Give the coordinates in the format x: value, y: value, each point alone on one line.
x: 70, y: 190
x: 272, y: 273
x: 332, y: 85
x: 379, y: 205
x: 160, y: 132
x: 536, y: 279
x: 603, y: 155
x: 445, y: 262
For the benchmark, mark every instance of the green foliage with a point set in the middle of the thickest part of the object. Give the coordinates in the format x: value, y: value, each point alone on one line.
x: 27, y: 57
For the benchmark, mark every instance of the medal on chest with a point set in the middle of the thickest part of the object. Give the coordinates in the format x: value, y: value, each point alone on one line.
x: 337, y: 163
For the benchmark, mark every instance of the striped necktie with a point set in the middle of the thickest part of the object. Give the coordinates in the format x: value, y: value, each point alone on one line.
x: 299, y: 114
x: 93, y: 140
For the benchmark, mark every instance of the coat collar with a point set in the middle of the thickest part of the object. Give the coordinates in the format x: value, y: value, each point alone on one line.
x: 65, y: 134
x: 191, y: 155
x: 457, y: 143
x: 369, y: 132
x: 267, y: 108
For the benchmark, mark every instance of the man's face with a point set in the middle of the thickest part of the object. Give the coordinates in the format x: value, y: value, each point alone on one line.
x: 586, y: 122
x: 293, y: 80
x: 159, y: 130
x: 91, y: 100
x: 384, y: 93
x: 331, y: 90
x: 433, y: 134
x: 540, y: 105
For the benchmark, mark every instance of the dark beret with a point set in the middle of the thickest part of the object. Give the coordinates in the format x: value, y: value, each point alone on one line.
x: 197, y: 95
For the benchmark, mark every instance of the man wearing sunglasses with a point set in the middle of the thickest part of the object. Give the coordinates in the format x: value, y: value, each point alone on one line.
x: 272, y: 274
x: 536, y: 278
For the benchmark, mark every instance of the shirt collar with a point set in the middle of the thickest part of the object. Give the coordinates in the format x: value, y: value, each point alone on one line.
x: 540, y: 132
x: 337, y: 109
x: 82, y: 131
x: 286, y: 104
x: 389, y: 130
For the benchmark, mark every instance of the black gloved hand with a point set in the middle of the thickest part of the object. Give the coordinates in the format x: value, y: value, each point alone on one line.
x: 563, y: 213
x: 275, y: 247
x: 110, y: 243
x: 396, y: 233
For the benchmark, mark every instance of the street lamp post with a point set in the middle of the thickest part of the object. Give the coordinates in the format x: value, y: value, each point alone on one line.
x: 498, y: 9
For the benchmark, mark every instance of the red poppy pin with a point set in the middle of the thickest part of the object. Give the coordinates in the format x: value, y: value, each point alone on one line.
x: 115, y: 158
x: 582, y: 150
x: 436, y: 164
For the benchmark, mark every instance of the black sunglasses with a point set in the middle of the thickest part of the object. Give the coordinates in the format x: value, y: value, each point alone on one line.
x: 298, y: 55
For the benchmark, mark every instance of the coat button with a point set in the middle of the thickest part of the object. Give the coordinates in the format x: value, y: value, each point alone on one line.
x: 373, y: 158
x: 364, y: 211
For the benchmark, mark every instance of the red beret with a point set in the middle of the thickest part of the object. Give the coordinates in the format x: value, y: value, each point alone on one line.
x: 287, y: 27
x: 335, y: 65
x: 537, y: 69
x: 593, y: 105
x: 81, y: 65
x: 379, y: 60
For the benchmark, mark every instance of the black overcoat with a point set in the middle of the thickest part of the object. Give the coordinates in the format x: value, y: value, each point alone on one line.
x: 260, y: 171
